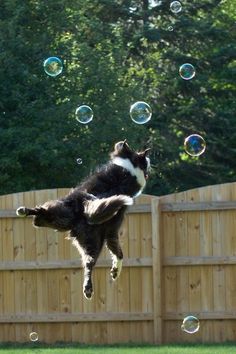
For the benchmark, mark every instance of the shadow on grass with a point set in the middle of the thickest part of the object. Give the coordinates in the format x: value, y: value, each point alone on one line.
x: 62, y: 345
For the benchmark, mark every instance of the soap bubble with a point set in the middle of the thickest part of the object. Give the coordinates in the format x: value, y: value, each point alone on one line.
x: 33, y: 336
x: 170, y: 28
x: 79, y: 161
x: 53, y: 66
x: 84, y: 114
x: 194, y: 145
x: 187, y: 71
x: 140, y: 112
x: 190, y: 324
x: 175, y: 7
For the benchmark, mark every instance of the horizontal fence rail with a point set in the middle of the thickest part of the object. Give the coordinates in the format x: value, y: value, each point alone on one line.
x: 68, y: 264
x: 165, y: 207
x: 207, y: 260
x: 198, y: 206
x: 76, y: 317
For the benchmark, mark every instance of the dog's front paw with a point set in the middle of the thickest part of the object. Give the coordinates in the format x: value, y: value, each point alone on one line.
x: 21, y: 211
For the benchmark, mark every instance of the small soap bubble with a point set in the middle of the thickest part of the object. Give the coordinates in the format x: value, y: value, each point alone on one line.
x: 187, y: 71
x: 194, y: 145
x: 175, y: 7
x: 190, y: 324
x: 53, y: 66
x: 33, y: 336
x: 84, y: 114
x: 79, y: 161
x: 170, y: 28
x: 140, y: 112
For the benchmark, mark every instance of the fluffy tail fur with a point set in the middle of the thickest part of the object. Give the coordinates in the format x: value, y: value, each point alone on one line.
x: 100, y: 210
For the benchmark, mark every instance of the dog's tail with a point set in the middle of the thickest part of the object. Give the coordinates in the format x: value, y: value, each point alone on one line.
x: 100, y: 210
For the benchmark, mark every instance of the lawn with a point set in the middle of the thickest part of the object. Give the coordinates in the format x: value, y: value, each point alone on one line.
x: 228, y: 348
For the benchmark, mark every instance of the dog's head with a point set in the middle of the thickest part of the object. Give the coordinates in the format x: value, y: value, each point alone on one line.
x: 139, y: 160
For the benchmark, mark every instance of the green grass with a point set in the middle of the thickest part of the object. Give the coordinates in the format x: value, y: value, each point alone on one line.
x: 227, y: 348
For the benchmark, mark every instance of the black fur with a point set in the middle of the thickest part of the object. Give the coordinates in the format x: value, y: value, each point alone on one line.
x: 94, y: 210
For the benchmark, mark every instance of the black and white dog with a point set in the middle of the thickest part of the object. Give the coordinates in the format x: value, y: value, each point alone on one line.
x: 94, y: 210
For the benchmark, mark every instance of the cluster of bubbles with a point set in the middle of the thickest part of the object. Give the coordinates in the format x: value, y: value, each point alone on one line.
x: 140, y: 112
x: 194, y: 144
x: 190, y: 324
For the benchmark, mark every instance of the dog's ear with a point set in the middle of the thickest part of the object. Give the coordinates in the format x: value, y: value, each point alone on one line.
x: 122, y: 145
x: 145, y: 152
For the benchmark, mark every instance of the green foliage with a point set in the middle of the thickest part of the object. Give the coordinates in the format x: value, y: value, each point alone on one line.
x: 114, y: 53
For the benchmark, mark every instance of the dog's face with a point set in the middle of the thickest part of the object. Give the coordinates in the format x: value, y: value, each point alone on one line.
x: 139, y: 160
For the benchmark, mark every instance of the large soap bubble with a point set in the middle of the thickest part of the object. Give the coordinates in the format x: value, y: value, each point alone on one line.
x: 53, y: 66
x: 140, y: 112
x: 175, y: 7
x: 194, y: 145
x: 84, y: 114
x: 190, y: 324
x: 187, y: 71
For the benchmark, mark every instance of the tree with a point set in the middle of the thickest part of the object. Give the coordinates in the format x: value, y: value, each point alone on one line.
x: 40, y: 138
x: 115, y: 53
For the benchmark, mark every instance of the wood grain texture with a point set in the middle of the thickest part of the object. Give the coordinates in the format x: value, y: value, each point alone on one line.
x: 179, y: 259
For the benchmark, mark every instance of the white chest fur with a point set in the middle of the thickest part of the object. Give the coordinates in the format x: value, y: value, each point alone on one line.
x: 134, y: 171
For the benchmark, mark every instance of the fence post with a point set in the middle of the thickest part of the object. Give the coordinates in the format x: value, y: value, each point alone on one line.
x: 156, y: 270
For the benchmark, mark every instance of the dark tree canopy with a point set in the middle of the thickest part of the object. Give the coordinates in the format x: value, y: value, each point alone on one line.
x: 114, y: 54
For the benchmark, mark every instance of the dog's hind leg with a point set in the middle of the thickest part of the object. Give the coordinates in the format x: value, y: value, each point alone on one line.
x: 117, y: 256
x: 89, y: 247
x: 89, y: 263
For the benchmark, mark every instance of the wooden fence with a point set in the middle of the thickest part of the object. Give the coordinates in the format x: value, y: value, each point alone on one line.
x: 180, y: 259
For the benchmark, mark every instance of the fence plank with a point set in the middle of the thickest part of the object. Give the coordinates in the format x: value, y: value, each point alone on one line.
x: 157, y: 271
x: 135, y: 279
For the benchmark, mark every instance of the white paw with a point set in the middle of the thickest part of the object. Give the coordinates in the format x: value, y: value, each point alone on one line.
x: 21, y: 211
x: 116, y: 269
